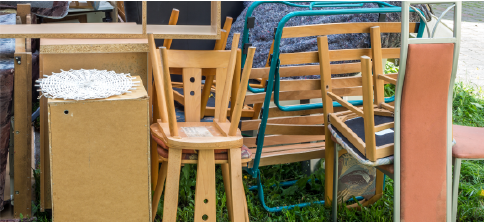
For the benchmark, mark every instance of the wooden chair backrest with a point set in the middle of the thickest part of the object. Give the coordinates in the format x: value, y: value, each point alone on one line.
x: 192, y: 62
x: 304, y: 89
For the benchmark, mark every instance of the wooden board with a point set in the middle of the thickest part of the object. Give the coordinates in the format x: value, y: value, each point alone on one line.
x: 22, y: 134
x: 118, y: 30
x: 100, y: 160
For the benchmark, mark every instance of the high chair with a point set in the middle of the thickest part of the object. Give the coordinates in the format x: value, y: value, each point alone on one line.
x: 195, y: 142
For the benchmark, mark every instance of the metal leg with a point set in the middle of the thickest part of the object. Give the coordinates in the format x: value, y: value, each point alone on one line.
x: 455, y: 187
x: 335, y: 185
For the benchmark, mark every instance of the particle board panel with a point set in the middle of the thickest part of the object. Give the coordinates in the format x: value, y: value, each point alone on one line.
x: 22, y: 134
x: 100, y: 158
x: 54, y: 46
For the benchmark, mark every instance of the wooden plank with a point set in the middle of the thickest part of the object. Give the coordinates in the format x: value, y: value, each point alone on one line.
x: 157, y: 70
x: 210, y: 111
x: 192, y: 80
x: 205, y: 198
x: 282, y: 139
x: 305, y: 70
x: 335, y: 55
x: 384, y: 126
x: 267, y: 151
x: 347, y: 132
x: 284, y: 129
x: 338, y: 28
x: 22, y: 135
x: 198, y: 58
x: 299, y: 120
x: 276, y: 112
x: 292, y: 156
x: 346, y: 104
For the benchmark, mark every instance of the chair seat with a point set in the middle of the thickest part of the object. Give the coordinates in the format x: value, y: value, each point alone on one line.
x: 470, y: 142
x: 212, y: 138
x: 358, y: 127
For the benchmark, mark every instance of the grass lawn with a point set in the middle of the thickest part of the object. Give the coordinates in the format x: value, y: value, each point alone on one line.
x: 468, y: 109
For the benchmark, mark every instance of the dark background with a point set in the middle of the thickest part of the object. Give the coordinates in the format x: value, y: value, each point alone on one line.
x: 191, y: 13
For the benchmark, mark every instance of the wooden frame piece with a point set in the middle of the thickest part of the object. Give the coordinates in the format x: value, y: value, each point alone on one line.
x: 118, y: 30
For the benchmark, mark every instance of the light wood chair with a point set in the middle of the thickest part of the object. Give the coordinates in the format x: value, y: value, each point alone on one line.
x: 354, y: 130
x: 208, y: 139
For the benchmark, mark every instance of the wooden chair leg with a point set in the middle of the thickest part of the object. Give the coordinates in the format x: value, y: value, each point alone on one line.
x: 246, y: 209
x: 236, y: 185
x: 228, y: 192
x: 159, y: 189
x: 170, y: 204
x: 205, y: 198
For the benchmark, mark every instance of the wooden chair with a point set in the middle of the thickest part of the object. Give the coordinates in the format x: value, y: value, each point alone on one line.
x: 422, y: 123
x: 289, y: 132
x: 219, y: 45
x: 217, y: 142
x: 354, y: 130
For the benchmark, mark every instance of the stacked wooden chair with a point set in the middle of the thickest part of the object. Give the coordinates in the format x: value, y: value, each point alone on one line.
x: 195, y: 142
x: 421, y: 138
x: 296, y: 133
x: 219, y: 45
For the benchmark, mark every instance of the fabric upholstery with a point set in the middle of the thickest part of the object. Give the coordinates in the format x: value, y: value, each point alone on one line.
x: 245, y: 154
x: 424, y: 132
x: 470, y: 142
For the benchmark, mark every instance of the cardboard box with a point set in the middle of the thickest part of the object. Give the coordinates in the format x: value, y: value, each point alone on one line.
x: 99, y: 158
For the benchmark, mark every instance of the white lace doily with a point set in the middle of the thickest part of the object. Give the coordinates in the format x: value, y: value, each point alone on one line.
x: 85, y: 84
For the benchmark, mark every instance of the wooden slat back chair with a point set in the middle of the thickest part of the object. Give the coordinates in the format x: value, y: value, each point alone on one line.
x: 219, y: 45
x: 217, y: 142
x: 349, y: 129
x: 286, y: 130
x: 422, y: 123
x: 209, y: 74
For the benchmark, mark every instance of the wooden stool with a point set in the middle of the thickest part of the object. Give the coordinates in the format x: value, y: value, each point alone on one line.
x: 205, y: 138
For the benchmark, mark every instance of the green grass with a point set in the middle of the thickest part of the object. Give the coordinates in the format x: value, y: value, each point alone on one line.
x: 467, y: 110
